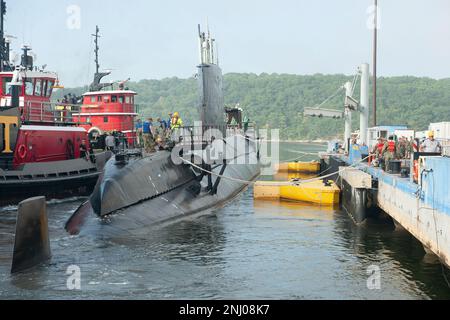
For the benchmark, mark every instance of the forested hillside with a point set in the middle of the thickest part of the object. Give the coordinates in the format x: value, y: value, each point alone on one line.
x: 278, y: 100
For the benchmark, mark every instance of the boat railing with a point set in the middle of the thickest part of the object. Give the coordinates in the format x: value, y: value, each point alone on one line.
x: 59, y: 113
x: 50, y: 113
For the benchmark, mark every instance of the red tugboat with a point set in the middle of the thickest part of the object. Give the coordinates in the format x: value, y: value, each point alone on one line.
x: 42, y: 151
x: 107, y: 110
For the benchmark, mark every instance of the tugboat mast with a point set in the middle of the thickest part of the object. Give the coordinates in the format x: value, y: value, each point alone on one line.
x: 96, y: 85
x: 96, y: 36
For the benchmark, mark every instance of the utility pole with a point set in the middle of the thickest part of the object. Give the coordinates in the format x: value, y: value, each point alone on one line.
x: 375, y: 45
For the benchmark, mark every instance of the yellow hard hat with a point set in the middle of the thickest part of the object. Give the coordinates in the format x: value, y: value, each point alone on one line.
x: 176, y: 114
x: 430, y: 134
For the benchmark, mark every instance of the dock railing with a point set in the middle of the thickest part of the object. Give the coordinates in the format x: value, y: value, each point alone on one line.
x: 445, y: 143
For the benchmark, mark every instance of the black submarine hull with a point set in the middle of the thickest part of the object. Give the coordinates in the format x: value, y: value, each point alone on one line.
x: 154, y: 190
x: 139, y: 192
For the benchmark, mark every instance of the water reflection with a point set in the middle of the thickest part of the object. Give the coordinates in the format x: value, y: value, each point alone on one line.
x: 282, y: 208
x: 378, y: 242
x: 200, y: 239
x: 34, y: 279
x: 7, y: 230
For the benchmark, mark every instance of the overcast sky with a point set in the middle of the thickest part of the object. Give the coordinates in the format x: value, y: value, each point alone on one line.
x: 149, y: 39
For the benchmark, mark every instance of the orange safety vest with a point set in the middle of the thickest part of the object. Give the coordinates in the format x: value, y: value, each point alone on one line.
x: 380, y: 147
x: 391, y: 146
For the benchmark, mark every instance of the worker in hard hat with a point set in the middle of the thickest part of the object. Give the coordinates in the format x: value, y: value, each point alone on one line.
x: 176, y: 121
x: 160, y: 144
x: 389, y: 152
x: 431, y: 145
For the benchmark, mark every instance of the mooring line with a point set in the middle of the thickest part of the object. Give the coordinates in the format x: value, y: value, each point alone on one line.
x: 281, y: 183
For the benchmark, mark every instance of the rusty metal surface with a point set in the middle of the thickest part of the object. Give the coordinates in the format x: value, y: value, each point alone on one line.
x: 32, y: 244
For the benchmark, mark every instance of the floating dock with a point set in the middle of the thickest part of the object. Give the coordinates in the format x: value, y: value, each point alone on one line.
x: 317, y: 192
x: 299, y: 167
x: 421, y: 208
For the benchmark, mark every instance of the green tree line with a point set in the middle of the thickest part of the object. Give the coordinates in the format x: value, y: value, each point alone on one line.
x: 278, y: 101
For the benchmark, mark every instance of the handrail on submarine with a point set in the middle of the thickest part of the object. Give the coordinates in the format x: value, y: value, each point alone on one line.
x: 206, y: 133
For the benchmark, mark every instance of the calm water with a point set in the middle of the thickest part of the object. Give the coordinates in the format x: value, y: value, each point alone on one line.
x: 248, y: 249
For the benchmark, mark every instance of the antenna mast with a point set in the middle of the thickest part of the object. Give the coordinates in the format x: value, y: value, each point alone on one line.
x: 206, y: 46
x: 96, y: 36
x: 96, y: 85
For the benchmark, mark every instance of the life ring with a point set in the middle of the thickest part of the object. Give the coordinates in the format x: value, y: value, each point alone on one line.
x: 22, y: 151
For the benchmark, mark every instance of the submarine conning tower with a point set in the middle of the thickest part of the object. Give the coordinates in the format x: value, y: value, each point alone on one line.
x: 210, y: 84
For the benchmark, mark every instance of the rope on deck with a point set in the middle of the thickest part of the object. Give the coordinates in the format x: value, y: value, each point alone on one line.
x: 281, y: 183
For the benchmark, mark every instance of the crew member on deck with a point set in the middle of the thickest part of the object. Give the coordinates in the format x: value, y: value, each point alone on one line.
x: 377, y: 152
x: 84, y: 153
x: 176, y: 121
x: 389, y: 152
x: 378, y: 148
x: 160, y: 146
x: 169, y: 121
x: 401, y: 146
x: 431, y: 145
x: 161, y: 129
x: 246, y: 123
x: 139, y: 136
x: 110, y: 142
x: 149, y: 142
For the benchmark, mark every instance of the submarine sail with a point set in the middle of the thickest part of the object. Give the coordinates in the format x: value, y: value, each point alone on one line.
x: 210, y: 86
